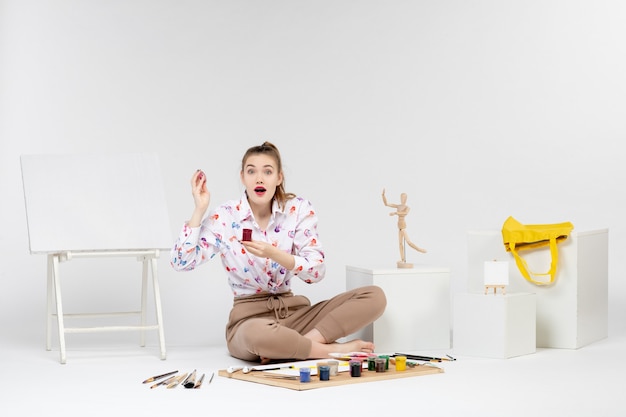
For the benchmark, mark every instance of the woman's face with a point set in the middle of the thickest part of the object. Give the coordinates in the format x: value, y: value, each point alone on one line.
x: 260, y: 176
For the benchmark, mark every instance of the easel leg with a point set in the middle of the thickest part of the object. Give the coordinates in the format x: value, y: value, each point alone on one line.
x: 144, y: 296
x: 157, y: 305
x: 57, y: 295
x: 49, y: 303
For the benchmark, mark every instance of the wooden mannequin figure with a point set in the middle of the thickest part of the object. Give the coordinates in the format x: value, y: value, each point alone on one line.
x: 401, y: 211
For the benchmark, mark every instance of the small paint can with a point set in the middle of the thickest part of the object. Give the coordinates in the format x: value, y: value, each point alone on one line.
x: 400, y: 363
x: 355, y: 368
x: 334, y: 367
x: 371, y: 363
x: 380, y: 364
x: 324, y: 372
x: 386, y: 358
x: 305, y: 374
x: 319, y: 365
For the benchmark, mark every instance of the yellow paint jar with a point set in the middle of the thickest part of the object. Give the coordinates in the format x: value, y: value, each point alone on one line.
x: 400, y: 363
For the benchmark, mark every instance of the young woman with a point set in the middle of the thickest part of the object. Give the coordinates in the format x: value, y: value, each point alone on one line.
x: 267, y: 321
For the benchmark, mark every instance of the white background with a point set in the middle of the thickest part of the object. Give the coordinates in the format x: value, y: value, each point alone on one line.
x: 476, y: 109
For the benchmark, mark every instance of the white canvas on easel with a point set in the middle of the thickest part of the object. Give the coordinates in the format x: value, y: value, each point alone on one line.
x: 95, y: 202
x: 96, y: 205
x: 496, y: 275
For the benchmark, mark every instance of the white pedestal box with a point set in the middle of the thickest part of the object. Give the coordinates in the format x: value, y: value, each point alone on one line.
x: 494, y: 326
x: 573, y: 311
x: 417, y: 316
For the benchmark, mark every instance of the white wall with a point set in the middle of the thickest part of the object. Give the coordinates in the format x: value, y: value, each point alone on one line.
x: 476, y: 109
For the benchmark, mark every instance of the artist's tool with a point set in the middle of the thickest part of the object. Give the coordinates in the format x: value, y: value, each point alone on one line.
x: 164, y: 382
x: 199, y: 382
x: 279, y: 376
x: 212, y: 375
x: 248, y: 369
x: 155, y: 378
x: 190, y: 381
x: 352, y: 356
x: 425, y: 358
x: 176, y: 381
x: 233, y: 369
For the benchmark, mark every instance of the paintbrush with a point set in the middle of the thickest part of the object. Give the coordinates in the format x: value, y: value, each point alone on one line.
x: 190, y: 381
x: 154, y: 378
x: 164, y: 382
x: 176, y: 381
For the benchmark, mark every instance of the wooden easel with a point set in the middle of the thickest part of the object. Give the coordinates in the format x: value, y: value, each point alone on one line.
x: 55, y: 304
x: 96, y: 206
x: 495, y: 289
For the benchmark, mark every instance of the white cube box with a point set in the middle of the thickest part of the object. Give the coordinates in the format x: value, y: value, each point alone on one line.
x: 417, y: 316
x: 494, y: 326
x: 573, y: 311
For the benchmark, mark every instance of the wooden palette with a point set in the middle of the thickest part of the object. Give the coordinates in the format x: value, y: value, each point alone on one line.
x: 342, y: 378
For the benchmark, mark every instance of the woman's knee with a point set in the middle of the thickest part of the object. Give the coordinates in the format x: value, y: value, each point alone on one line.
x: 379, y: 299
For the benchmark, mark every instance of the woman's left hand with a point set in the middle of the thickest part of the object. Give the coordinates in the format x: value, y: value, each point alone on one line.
x: 260, y: 249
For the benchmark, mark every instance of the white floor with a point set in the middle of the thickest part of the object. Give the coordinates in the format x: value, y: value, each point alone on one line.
x: 106, y: 380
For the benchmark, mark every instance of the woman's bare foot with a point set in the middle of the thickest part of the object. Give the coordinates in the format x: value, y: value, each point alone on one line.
x: 322, y: 349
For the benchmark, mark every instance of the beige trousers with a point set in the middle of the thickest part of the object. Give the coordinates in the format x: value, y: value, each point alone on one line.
x: 272, y: 326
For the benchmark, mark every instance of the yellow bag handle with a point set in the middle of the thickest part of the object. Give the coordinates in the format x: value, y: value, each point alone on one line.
x: 523, y: 266
x: 517, y: 236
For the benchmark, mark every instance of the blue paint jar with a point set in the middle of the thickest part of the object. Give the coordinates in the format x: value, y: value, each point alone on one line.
x: 305, y: 374
x: 324, y: 372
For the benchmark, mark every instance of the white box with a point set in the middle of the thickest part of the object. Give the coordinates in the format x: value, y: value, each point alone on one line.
x: 494, y: 326
x: 572, y: 312
x: 417, y: 316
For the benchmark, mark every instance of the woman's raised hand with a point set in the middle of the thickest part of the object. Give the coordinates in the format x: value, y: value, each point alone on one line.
x: 201, y: 195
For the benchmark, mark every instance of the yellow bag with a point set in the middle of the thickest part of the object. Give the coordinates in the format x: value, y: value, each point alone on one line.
x: 517, y: 237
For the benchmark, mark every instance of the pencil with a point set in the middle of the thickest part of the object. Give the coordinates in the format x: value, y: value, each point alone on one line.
x: 199, y: 382
x: 154, y: 378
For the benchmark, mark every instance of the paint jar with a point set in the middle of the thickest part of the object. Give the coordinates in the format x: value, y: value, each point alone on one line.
x: 305, y: 374
x: 371, y: 363
x: 334, y: 367
x: 380, y: 364
x: 324, y: 372
x: 319, y: 365
x: 400, y: 363
x: 386, y: 358
x: 355, y: 368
